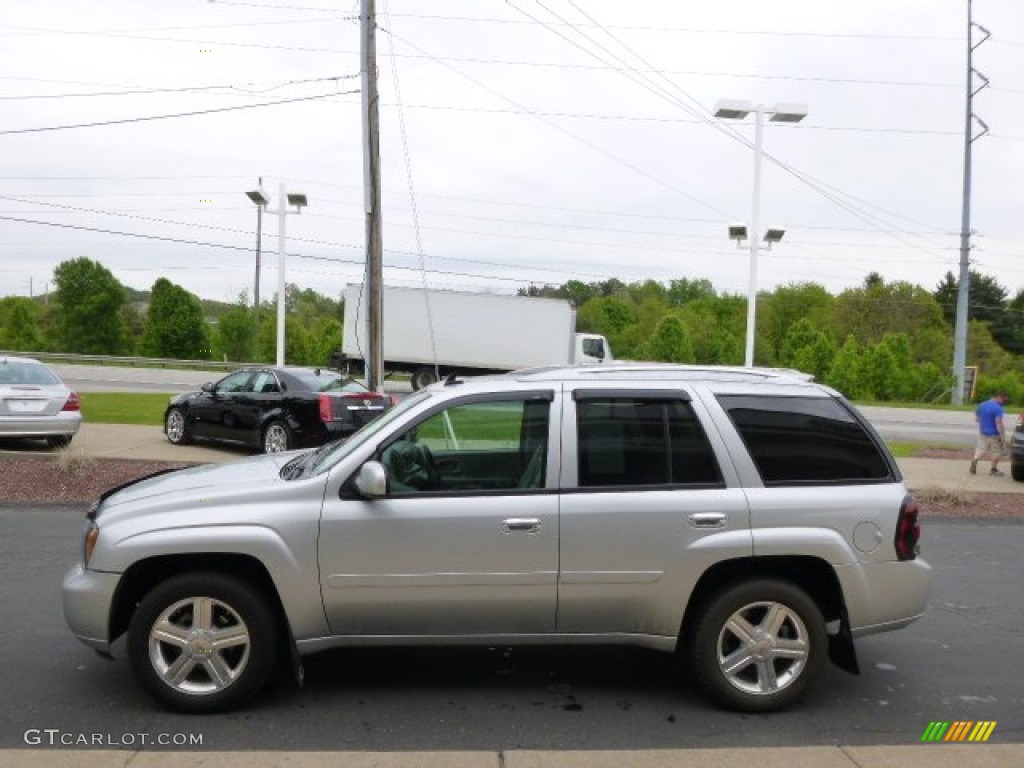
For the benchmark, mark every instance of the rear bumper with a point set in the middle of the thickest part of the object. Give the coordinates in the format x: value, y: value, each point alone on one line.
x: 63, y: 423
x: 884, y: 596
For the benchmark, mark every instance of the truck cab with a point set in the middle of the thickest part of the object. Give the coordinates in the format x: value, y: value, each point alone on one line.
x: 591, y: 348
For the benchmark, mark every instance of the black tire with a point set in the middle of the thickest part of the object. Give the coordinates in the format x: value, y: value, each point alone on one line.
x: 1017, y: 472
x: 277, y: 438
x: 58, y: 441
x: 234, y: 607
x: 177, y: 428
x: 423, y: 377
x: 762, y: 681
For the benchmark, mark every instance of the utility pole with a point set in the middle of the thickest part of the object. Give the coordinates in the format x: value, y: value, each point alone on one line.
x: 963, y: 292
x: 371, y: 194
x: 259, y: 252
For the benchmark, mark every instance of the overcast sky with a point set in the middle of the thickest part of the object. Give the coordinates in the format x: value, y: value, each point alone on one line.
x: 522, y: 141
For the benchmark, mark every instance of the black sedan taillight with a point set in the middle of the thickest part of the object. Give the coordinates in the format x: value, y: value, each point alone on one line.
x: 908, y: 530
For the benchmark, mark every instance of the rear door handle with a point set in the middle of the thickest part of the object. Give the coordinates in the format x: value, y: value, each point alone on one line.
x: 521, y: 525
x: 708, y: 519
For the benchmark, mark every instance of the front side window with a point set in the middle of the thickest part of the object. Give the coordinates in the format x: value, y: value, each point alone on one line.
x: 236, y: 382
x: 805, y: 440
x: 631, y: 441
x: 496, y: 445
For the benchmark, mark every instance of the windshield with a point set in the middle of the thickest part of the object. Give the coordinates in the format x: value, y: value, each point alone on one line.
x: 343, y: 449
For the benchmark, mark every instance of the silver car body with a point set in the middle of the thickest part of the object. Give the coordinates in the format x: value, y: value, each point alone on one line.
x: 32, y: 400
x: 558, y: 563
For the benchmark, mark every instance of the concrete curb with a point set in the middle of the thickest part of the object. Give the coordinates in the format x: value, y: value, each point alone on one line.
x: 918, y: 756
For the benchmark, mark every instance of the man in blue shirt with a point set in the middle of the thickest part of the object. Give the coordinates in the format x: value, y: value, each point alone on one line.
x: 991, y: 433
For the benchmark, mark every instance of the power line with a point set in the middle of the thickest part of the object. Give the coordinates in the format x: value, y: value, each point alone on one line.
x: 579, y: 139
x: 186, y: 89
x: 194, y: 113
x: 698, y: 30
x: 698, y: 111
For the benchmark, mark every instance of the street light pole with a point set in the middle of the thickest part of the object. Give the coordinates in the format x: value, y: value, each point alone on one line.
x: 298, y: 200
x: 755, y: 236
x: 733, y: 109
x: 282, y: 217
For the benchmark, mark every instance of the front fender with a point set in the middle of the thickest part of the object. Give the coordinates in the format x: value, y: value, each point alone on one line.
x: 291, y: 565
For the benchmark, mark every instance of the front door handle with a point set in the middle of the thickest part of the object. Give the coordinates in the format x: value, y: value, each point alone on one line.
x: 708, y: 519
x: 521, y: 525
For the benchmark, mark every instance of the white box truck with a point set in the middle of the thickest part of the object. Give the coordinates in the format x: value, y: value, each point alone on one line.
x: 429, y: 333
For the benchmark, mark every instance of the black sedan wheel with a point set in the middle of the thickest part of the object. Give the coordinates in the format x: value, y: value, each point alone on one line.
x: 178, y: 431
x: 203, y: 642
x: 276, y: 438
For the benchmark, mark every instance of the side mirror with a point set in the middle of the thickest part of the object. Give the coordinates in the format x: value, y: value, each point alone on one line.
x: 372, y: 480
x: 208, y: 387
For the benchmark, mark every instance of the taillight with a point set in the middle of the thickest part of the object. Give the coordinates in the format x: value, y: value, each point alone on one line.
x: 72, y: 403
x: 908, y: 530
x: 326, y: 408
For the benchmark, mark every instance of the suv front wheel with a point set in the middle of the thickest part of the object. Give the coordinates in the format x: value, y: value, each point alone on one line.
x: 203, y: 642
x: 757, y: 645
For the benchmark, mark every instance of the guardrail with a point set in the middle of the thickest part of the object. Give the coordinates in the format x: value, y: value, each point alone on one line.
x: 131, y: 362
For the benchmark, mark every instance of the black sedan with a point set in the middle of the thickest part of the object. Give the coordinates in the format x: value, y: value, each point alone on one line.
x: 274, y: 409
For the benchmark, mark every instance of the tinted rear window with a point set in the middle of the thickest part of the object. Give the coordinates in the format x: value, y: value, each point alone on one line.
x: 626, y: 441
x: 805, y: 440
x: 326, y: 381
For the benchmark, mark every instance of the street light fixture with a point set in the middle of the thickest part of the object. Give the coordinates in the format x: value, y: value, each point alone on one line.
x: 284, y: 199
x: 735, y: 109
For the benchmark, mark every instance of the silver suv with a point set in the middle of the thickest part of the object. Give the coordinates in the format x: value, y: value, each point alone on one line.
x: 749, y: 520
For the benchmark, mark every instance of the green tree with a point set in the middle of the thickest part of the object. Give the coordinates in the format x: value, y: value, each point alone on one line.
x: 807, y: 349
x: 324, y: 340
x: 878, y: 308
x: 685, y: 290
x: 845, y: 373
x: 787, y: 304
x: 89, y: 301
x: 605, y: 315
x: 235, y: 336
x: 670, y: 343
x: 296, y: 342
x: 175, y: 326
x: 19, y: 325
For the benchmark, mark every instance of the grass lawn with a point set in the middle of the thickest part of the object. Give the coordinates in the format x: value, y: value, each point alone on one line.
x: 124, y: 407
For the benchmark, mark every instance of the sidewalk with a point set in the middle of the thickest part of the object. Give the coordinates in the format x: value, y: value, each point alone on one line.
x: 917, y: 756
x: 953, y: 475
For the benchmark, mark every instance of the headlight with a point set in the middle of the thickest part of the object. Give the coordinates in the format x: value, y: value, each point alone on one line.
x: 92, y: 535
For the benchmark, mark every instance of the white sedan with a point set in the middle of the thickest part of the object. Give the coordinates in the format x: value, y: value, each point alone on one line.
x: 34, y: 403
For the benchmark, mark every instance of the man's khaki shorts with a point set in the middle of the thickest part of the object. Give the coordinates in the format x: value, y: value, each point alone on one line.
x: 991, y: 444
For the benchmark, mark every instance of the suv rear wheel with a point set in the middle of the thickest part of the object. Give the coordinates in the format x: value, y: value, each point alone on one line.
x: 203, y: 642
x: 757, y: 645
